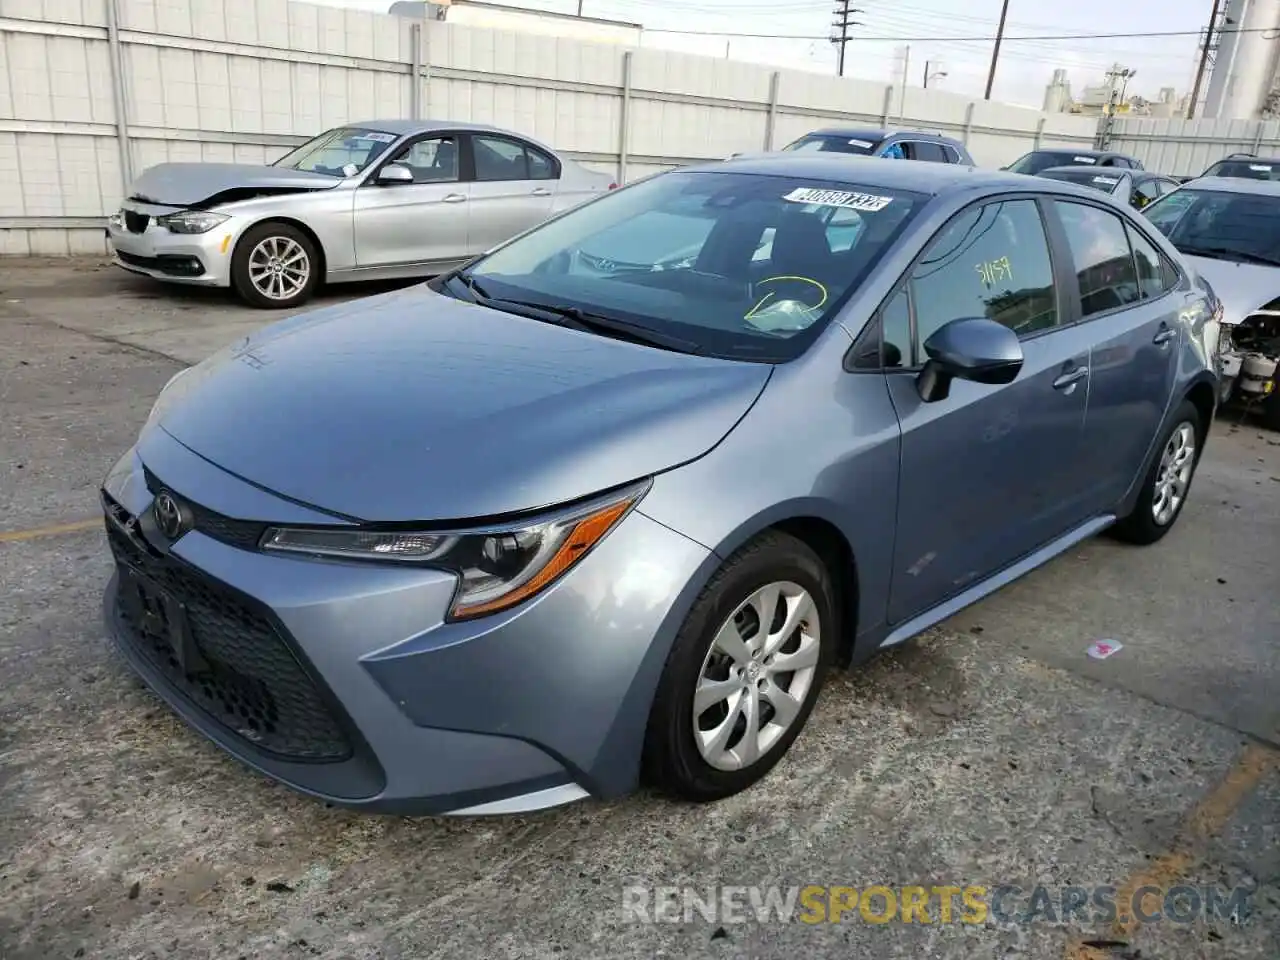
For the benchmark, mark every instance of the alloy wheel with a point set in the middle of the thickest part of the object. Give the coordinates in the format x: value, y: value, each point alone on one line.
x: 279, y: 268
x: 1173, y: 477
x: 756, y: 676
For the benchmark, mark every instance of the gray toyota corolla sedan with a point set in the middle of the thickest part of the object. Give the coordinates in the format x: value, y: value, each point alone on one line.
x: 555, y: 522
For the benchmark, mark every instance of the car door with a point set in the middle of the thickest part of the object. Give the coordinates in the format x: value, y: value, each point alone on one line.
x: 425, y: 221
x: 514, y: 189
x: 1128, y: 303
x: 988, y: 474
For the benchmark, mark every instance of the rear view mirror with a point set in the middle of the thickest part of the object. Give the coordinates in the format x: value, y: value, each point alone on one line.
x: 974, y: 349
x: 394, y: 173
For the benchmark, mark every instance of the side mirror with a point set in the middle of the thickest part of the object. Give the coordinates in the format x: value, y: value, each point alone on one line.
x: 974, y: 349
x: 394, y: 173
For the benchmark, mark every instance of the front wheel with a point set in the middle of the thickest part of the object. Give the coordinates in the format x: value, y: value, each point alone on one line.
x: 1165, y: 489
x: 744, y: 672
x: 275, y: 265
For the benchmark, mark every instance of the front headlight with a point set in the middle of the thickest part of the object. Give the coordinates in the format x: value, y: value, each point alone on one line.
x: 192, y: 221
x: 498, y: 567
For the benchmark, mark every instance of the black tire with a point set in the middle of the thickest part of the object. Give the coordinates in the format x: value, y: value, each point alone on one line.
x: 1140, y: 526
x: 243, y: 283
x: 672, y: 760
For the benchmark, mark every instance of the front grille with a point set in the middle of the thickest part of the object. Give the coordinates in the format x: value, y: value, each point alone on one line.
x: 245, y: 534
x: 135, y: 222
x: 247, y: 677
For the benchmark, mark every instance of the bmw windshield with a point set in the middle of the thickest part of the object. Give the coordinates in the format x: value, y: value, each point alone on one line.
x: 344, y: 152
x: 728, y: 264
x: 1220, y: 224
x: 1245, y: 169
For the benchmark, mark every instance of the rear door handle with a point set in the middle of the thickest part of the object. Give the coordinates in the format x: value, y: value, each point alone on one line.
x: 541, y: 192
x: 455, y: 197
x: 1164, y: 335
x: 1069, y: 379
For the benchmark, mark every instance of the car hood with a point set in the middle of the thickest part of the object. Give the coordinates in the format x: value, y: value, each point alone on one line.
x: 188, y: 184
x: 1243, y: 288
x: 416, y: 406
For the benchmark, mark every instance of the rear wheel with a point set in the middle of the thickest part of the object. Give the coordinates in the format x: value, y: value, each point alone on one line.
x: 1164, y: 492
x: 744, y: 672
x: 275, y: 265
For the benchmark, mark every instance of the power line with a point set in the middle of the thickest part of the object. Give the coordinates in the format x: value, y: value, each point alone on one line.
x: 986, y: 38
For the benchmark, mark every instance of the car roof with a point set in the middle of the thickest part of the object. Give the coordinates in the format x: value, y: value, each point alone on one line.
x: 927, y: 178
x: 1262, y: 188
x: 405, y: 127
x: 867, y: 133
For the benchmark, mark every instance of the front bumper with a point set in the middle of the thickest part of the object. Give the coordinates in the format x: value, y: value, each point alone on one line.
x: 343, y: 681
x: 140, y: 246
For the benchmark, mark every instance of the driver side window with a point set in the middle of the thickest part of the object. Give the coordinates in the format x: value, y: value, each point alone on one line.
x: 991, y: 261
x: 431, y: 161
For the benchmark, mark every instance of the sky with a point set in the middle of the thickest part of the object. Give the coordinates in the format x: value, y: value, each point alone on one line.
x: 926, y: 26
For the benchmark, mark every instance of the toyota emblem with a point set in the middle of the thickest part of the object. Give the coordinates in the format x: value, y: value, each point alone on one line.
x: 169, y: 518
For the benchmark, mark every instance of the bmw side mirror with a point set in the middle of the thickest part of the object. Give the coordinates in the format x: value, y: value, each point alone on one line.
x: 394, y: 173
x: 975, y: 349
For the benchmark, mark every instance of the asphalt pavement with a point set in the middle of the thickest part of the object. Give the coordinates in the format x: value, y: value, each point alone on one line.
x: 992, y: 752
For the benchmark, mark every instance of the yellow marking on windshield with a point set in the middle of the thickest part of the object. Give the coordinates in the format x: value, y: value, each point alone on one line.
x: 770, y: 295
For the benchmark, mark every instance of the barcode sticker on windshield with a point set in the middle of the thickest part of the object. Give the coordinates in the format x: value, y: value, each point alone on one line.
x: 839, y: 198
x: 1085, y: 159
x: 1109, y: 181
x: 375, y: 137
x: 861, y: 143
x: 1260, y: 167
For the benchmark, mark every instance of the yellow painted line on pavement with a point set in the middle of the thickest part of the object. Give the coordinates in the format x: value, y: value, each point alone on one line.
x: 57, y: 529
x: 1206, y: 818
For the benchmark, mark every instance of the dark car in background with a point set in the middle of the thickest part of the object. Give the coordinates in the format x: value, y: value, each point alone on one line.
x: 1039, y: 160
x: 1244, y: 166
x: 899, y: 144
x: 1134, y: 187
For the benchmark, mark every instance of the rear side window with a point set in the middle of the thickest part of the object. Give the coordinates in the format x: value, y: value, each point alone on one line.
x: 991, y: 261
x: 931, y: 152
x: 1103, y: 261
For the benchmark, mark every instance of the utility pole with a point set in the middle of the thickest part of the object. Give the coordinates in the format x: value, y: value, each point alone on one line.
x: 995, y: 51
x: 1204, y: 59
x: 580, y: 7
x: 840, y: 30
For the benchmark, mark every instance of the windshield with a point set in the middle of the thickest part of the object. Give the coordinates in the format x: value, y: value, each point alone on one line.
x: 737, y: 265
x: 344, y: 152
x: 1245, y: 169
x: 829, y: 143
x: 1106, y: 182
x: 1044, y: 159
x: 1220, y: 224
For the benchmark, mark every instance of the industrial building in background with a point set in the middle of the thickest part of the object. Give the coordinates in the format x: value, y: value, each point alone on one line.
x: 1241, y: 44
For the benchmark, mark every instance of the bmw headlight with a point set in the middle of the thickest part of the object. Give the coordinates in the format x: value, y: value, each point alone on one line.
x: 192, y: 221
x: 498, y: 567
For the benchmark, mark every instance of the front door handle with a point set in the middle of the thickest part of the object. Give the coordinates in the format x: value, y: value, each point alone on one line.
x: 1164, y: 335
x: 1068, y: 380
x: 541, y: 192
x: 455, y: 197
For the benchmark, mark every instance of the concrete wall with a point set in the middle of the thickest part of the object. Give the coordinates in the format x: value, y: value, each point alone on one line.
x: 1187, y: 147
x: 85, y: 104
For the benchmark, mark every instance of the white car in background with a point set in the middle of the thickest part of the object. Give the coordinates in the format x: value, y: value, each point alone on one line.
x: 1229, y: 231
x: 373, y: 200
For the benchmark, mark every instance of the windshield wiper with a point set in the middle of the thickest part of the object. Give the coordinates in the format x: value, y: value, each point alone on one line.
x: 576, y: 318
x: 1229, y: 253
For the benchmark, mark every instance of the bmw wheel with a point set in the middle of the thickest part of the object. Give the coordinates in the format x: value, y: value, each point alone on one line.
x: 1165, y: 489
x: 744, y: 672
x: 275, y: 265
